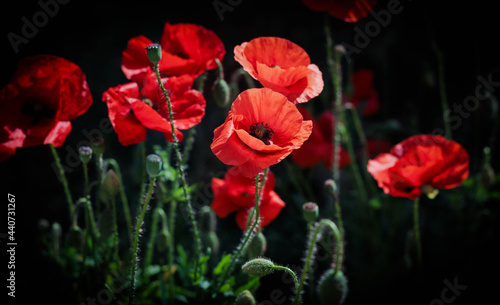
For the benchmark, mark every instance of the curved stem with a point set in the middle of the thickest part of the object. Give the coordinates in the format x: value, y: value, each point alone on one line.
x: 135, y: 245
x: 416, y: 228
x: 290, y: 271
x: 180, y: 168
x: 250, y: 232
x: 64, y: 182
x: 310, y: 252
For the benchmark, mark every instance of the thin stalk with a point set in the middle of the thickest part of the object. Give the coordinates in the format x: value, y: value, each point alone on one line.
x: 180, y: 168
x: 158, y: 212
x: 290, y: 271
x: 249, y: 233
x: 86, y: 179
x: 135, y: 245
x: 123, y: 196
x: 115, y: 228
x: 142, y: 147
x: 416, y: 228
x: 310, y: 253
x: 67, y: 192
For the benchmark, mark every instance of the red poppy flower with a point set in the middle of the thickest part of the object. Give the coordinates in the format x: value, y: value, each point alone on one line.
x: 132, y: 110
x: 364, y: 95
x: 261, y: 129
x: 346, y: 10
x: 185, y: 48
x: 419, y: 164
x: 236, y: 193
x: 319, y: 147
x: 281, y: 65
x: 36, y: 107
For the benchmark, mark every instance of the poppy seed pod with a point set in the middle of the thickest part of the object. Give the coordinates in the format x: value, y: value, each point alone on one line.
x: 154, y: 53
x: 85, y: 153
x: 258, y: 267
x: 310, y: 211
x: 153, y: 165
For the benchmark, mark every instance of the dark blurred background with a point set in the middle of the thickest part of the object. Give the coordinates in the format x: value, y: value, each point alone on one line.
x: 93, y: 34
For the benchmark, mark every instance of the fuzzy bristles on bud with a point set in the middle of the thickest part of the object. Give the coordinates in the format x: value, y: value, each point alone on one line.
x: 258, y: 267
x: 245, y: 298
x: 257, y: 246
x: 332, y: 288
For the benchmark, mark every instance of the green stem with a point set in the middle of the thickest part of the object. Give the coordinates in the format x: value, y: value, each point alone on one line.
x: 67, y: 192
x: 115, y: 228
x: 154, y: 229
x: 135, y: 245
x: 123, y: 196
x: 142, y: 147
x: 180, y: 168
x: 171, y: 252
x: 189, y: 143
x: 310, y: 253
x: 86, y: 177
x: 91, y: 218
x: 290, y: 271
x: 250, y: 232
x: 416, y: 228
x: 99, y: 168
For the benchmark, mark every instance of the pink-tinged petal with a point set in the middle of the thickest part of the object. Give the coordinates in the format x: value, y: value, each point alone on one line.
x: 10, y: 141
x: 58, y: 134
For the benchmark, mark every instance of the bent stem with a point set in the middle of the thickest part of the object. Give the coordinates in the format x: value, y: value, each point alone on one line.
x: 180, y: 168
x: 69, y: 199
x: 250, y: 232
x: 290, y: 271
x: 310, y: 253
x: 416, y: 228
x: 137, y: 231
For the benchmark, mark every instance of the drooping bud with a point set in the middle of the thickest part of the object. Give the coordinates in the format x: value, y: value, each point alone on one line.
x: 154, y: 53
x: 111, y: 184
x: 153, y: 165
x: 85, y: 153
x: 245, y: 298
x: 257, y: 246
x: 310, y: 211
x: 258, y: 267
x: 332, y: 288
x: 221, y: 93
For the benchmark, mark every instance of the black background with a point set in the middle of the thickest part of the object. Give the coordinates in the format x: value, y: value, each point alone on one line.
x: 93, y: 34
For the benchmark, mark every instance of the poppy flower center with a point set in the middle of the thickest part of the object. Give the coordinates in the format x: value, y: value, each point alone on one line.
x: 37, y: 110
x: 262, y: 132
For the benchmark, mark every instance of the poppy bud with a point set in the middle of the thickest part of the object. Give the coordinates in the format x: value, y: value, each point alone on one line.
x: 85, y: 153
x: 153, y: 165
x: 258, y: 267
x: 111, y: 183
x: 332, y: 288
x: 221, y: 92
x: 245, y: 298
x: 154, y: 53
x: 310, y: 211
x: 258, y: 246
x: 331, y: 186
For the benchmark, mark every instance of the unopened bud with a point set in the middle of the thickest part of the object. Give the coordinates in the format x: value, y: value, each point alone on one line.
x: 111, y: 184
x: 257, y: 246
x: 85, y: 153
x: 221, y: 93
x: 332, y: 288
x: 154, y: 53
x: 153, y: 165
x: 245, y: 298
x: 310, y: 211
x: 258, y: 267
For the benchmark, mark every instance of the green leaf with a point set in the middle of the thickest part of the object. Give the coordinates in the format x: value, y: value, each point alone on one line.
x: 222, y: 265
